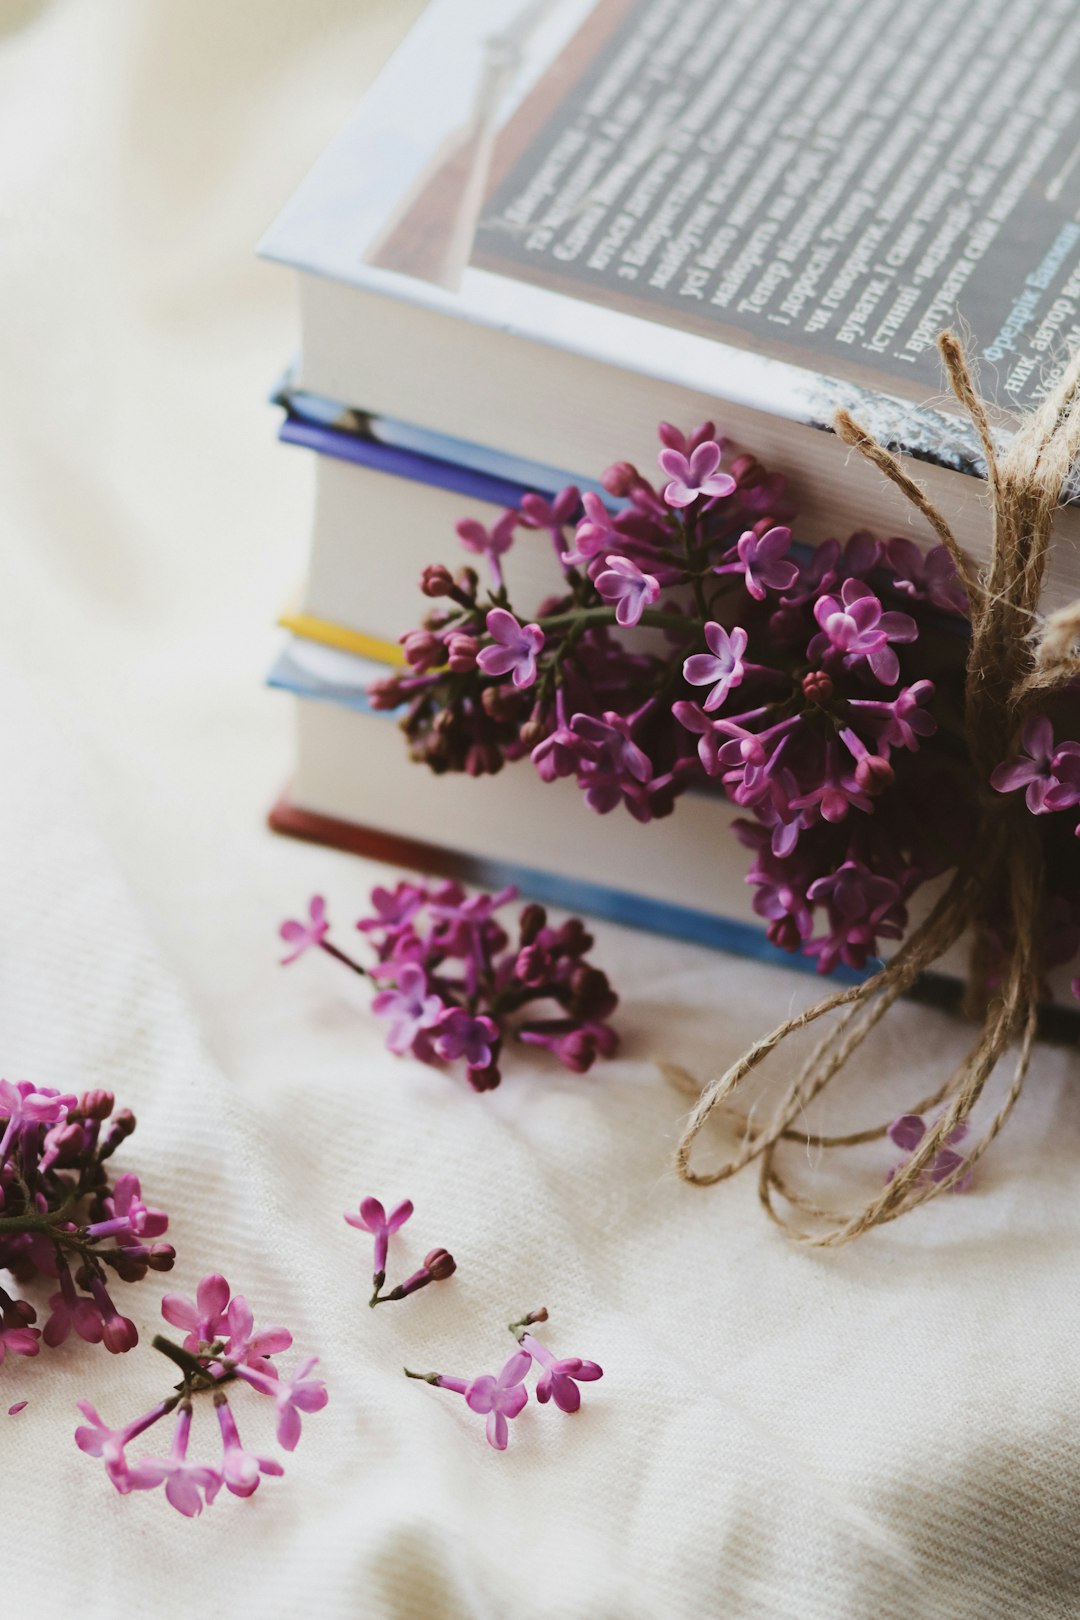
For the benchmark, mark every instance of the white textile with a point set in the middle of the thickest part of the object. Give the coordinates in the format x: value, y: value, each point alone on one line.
x: 887, y: 1432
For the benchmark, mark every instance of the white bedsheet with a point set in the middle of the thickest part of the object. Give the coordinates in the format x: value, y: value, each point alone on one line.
x: 889, y: 1432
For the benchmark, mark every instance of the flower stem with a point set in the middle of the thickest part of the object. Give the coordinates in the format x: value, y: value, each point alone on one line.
x: 339, y: 956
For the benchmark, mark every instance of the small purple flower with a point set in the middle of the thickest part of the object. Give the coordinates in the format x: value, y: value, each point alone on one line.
x: 460, y: 1034
x: 183, y: 1480
x: 26, y: 1106
x: 500, y: 1397
x: 300, y: 1393
x: 515, y: 650
x: 595, y: 532
x: 204, y: 1317
x: 409, y: 1007
x: 854, y: 627
x: 674, y: 438
x: 1049, y: 772
x: 908, y: 1131
x: 240, y: 1469
x: 694, y: 475
x: 765, y: 561
x: 394, y: 908
x: 926, y: 576
x: 901, y: 722
x: 129, y: 1217
x: 623, y: 583
x: 303, y: 935
x: 243, y: 1344
x: 560, y: 1377
x: 17, y: 1337
x: 721, y: 667
x: 374, y: 1219
x: 554, y: 515
x: 70, y: 1309
x: 491, y: 543
x: 610, y: 737
x: 100, y: 1441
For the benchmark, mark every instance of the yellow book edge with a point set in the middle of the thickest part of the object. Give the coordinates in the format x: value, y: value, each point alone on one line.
x: 310, y: 628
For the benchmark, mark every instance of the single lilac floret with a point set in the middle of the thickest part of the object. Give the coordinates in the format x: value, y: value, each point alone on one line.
x: 632, y: 591
x: 694, y: 475
x: 303, y: 935
x: 515, y: 650
x: 721, y: 667
x: 409, y: 1007
x: 1050, y: 773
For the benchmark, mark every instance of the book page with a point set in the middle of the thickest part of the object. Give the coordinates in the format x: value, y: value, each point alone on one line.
x: 830, y: 182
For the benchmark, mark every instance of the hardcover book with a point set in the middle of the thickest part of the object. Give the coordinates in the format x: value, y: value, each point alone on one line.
x: 545, y: 233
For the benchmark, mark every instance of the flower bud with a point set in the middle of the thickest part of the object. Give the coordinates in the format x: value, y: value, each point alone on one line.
x: 874, y: 774
x: 423, y: 650
x: 532, y: 732
x: 533, y: 918
x: 121, y: 1127
x: 97, y: 1104
x: 620, y: 478
x: 386, y: 694
x: 784, y: 932
x: 817, y: 686
x: 436, y: 580
x: 440, y: 1263
x: 531, y: 966
x: 484, y: 1079
x: 462, y: 650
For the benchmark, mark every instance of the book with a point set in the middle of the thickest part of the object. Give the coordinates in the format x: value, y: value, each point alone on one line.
x: 387, y: 502
x: 607, y: 212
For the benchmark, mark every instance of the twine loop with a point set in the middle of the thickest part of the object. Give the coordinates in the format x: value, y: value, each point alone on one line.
x: 1016, y: 658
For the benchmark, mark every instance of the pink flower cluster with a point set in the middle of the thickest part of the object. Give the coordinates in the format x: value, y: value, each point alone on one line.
x: 452, y: 986
x: 820, y: 689
x: 439, y: 1264
x: 220, y: 1348
x: 500, y: 1397
x: 64, y: 1218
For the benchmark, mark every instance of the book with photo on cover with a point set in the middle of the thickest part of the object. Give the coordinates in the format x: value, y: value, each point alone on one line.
x: 555, y: 221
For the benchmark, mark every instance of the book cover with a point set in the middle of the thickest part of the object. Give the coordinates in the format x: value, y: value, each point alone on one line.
x: 777, y: 205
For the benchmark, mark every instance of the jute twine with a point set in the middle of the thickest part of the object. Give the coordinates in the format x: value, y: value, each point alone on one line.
x: 1017, y: 658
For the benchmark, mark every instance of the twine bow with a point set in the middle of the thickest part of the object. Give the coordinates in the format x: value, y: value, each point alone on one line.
x: 1011, y: 667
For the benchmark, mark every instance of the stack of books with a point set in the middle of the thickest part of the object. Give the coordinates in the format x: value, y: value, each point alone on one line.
x: 555, y: 223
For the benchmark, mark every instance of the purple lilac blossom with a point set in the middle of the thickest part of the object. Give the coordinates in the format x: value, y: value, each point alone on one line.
x: 721, y: 667
x: 623, y: 583
x: 694, y: 475
x: 514, y: 650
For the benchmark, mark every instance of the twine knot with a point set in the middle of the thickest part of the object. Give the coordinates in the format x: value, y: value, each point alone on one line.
x: 1015, y: 660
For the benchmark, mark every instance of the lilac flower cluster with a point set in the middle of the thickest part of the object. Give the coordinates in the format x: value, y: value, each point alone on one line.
x: 63, y: 1218
x: 220, y: 1348
x: 452, y: 986
x: 690, y: 641
x: 439, y: 1264
x: 500, y: 1397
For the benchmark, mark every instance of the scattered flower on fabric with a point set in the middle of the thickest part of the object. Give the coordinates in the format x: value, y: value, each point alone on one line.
x: 499, y: 1397
x: 502, y: 1396
x: 221, y: 1354
x: 66, y: 1217
x: 454, y: 987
